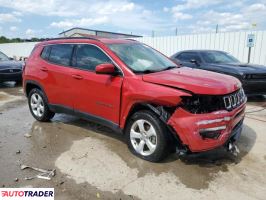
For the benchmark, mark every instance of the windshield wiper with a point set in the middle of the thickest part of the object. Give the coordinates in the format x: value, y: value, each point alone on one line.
x: 169, y: 67
x: 147, y: 71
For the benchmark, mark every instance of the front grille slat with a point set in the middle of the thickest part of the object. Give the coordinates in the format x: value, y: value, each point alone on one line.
x: 8, y: 71
x: 255, y: 76
x: 258, y: 76
x: 234, y: 100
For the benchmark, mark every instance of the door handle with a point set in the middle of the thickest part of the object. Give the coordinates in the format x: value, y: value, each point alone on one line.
x: 76, y: 76
x: 44, y: 69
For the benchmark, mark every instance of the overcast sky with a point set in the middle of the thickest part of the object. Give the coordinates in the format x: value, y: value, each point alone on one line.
x: 46, y: 18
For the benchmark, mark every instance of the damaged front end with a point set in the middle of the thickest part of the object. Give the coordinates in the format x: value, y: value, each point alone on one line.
x: 205, y: 122
x: 200, y: 104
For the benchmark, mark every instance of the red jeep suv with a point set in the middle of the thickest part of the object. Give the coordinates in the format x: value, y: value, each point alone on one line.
x: 137, y: 91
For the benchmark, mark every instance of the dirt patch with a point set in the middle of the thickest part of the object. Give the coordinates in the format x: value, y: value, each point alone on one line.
x: 97, y: 170
x: 7, y: 98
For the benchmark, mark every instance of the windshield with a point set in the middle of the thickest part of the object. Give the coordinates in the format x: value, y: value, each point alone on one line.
x: 218, y: 57
x: 3, y: 57
x: 141, y: 58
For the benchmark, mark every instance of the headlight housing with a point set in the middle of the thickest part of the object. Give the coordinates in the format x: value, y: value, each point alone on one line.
x: 200, y: 104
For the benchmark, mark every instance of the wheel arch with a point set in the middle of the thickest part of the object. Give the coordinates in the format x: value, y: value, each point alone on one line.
x: 135, y: 108
x: 162, y: 114
x: 30, y: 84
x: 157, y: 109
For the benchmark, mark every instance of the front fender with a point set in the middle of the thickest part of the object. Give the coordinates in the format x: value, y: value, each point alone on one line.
x: 135, y: 91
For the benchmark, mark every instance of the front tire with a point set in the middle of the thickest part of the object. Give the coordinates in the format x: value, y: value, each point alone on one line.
x: 147, y: 136
x: 38, y: 106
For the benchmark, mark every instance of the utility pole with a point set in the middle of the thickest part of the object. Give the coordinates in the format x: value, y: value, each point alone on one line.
x: 176, y: 31
x: 250, y: 44
x: 152, y: 33
x: 217, y: 26
x: 249, y: 54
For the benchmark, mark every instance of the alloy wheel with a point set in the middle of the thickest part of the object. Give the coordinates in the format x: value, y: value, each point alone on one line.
x: 37, y: 105
x: 143, y: 137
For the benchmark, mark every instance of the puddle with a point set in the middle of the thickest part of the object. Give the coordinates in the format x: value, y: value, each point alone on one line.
x: 94, y: 159
x: 195, y: 175
x: 89, y: 160
x: 97, y: 160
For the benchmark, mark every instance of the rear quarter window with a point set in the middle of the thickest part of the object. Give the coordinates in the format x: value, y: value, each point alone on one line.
x: 58, y: 54
x: 45, y: 52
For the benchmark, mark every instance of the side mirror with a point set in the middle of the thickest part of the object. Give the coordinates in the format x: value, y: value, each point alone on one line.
x: 105, y: 68
x: 10, y: 58
x: 195, y: 62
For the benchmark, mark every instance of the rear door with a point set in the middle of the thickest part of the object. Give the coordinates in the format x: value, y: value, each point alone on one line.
x: 97, y: 95
x: 56, y: 73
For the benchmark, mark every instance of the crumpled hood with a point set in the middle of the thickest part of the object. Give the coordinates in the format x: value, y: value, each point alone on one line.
x: 11, y: 64
x: 243, y: 68
x: 195, y: 80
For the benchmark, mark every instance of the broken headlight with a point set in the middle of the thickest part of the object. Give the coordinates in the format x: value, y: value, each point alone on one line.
x: 200, y: 104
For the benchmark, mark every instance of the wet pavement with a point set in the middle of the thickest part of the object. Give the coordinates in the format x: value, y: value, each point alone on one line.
x: 92, y: 162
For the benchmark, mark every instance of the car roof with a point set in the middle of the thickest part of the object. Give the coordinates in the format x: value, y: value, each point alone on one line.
x: 87, y: 40
x: 200, y: 50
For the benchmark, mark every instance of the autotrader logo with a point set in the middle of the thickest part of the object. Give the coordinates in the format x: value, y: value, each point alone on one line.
x: 27, y: 193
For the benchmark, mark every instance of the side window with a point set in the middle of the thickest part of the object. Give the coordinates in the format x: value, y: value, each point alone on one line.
x: 45, y: 52
x: 188, y: 56
x: 61, y: 54
x: 89, y: 56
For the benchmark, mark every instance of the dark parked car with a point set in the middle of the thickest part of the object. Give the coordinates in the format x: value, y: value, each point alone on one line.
x: 10, y: 70
x: 253, y: 77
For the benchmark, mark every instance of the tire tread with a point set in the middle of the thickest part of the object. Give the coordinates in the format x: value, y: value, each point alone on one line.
x: 48, y: 115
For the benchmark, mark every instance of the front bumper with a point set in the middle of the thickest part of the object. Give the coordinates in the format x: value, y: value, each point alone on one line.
x: 11, y: 76
x: 254, y: 87
x: 188, y: 126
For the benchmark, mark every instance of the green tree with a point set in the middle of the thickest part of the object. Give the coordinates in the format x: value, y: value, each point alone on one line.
x: 3, y: 39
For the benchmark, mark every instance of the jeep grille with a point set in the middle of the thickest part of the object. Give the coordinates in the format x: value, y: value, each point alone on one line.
x: 234, y: 100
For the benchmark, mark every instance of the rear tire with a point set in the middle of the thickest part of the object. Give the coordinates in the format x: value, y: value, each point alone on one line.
x: 38, y: 106
x: 147, y: 136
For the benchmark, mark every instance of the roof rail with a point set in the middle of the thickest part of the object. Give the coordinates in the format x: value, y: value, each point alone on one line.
x: 72, y: 38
